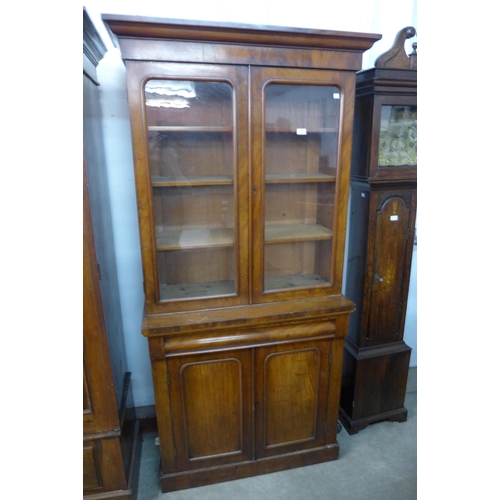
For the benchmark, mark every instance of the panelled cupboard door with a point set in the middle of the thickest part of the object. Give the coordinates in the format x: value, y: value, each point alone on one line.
x: 291, y: 396
x: 211, y: 398
x: 300, y: 171
x: 216, y: 409
x: 189, y: 124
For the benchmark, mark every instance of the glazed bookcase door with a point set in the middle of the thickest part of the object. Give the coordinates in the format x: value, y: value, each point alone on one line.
x: 190, y: 165
x: 298, y: 164
x: 394, y: 143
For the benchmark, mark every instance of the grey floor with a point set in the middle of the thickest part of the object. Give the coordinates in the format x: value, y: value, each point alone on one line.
x: 378, y: 463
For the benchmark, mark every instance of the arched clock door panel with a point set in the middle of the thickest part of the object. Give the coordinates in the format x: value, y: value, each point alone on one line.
x: 391, y: 233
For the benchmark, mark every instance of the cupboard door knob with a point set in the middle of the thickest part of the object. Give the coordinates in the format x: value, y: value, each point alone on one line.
x: 377, y: 278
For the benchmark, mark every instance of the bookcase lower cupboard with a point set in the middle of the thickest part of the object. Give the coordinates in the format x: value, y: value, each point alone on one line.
x: 250, y: 396
x: 242, y: 145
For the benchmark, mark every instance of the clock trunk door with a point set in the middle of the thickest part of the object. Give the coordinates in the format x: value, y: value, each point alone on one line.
x: 386, y: 289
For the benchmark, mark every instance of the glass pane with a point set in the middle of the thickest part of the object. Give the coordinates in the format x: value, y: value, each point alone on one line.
x: 191, y: 158
x: 398, y: 136
x: 301, y: 149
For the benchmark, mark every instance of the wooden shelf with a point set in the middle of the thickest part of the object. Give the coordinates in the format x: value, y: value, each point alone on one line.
x: 180, y: 239
x: 183, y: 239
x: 195, y: 290
x: 218, y: 180
x: 188, y: 128
x: 196, y: 180
x: 286, y: 233
x: 293, y: 281
x: 306, y: 177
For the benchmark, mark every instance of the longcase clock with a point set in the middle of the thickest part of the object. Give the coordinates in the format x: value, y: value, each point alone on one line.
x: 381, y: 236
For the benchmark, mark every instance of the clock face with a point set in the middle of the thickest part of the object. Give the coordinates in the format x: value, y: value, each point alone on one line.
x: 398, y: 136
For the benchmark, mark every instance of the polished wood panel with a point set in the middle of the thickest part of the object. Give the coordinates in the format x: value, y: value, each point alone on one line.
x: 163, y: 405
x: 379, y: 261
x: 291, y: 410
x: 209, y: 413
x: 391, y: 233
x: 91, y: 468
x: 87, y: 406
x: 228, y: 472
x: 100, y: 410
x: 261, y: 315
x: 211, y: 396
x: 214, y: 53
x: 287, y: 423
x: 374, y: 385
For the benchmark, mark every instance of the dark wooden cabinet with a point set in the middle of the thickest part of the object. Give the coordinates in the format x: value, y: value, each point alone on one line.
x: 242, y: 148
x: 111, y: 441
x: 381, y: 236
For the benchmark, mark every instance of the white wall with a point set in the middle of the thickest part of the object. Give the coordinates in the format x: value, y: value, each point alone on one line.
x: 386, y: 17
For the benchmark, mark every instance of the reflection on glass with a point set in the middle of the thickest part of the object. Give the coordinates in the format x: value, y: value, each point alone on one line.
x: 191, y: 159
x: 301, y: 141
x: 398, y: 136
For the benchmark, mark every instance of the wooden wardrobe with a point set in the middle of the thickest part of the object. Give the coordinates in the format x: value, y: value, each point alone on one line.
x: 111, y: 435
